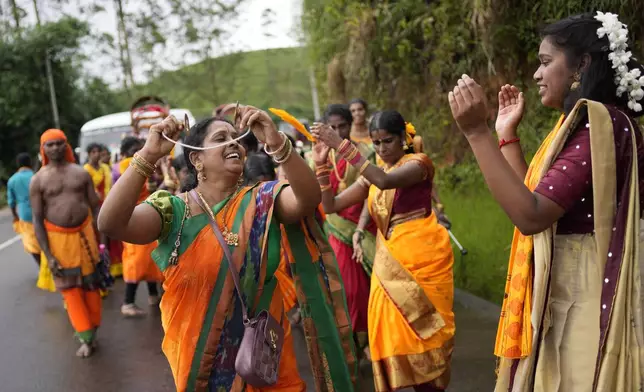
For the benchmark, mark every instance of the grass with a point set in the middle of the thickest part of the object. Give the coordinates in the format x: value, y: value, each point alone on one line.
x: 265, y: 78
x: 3, y: 197
x: 484, y: 230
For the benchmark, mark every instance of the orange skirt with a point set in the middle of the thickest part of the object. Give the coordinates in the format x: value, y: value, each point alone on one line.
x: 138, y: 265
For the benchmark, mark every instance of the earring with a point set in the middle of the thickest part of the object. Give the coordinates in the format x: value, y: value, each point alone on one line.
x: 240, y: 181
x: 576, y: 81
x: 200, y: 176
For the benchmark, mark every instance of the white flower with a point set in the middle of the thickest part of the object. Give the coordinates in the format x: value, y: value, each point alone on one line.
x: 637, y: 94
x: 626, y: 80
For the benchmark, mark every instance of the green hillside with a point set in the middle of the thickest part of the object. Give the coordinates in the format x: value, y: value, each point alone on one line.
x: 274, y: 77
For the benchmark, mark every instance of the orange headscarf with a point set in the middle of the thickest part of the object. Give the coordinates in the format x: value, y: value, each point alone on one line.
x: 55, y: 134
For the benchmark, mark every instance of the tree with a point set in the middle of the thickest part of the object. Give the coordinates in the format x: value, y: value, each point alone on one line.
x: 24, y: 102
x: 406, y: 54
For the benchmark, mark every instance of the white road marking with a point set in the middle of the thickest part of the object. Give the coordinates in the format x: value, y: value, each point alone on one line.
x: 10, y: 242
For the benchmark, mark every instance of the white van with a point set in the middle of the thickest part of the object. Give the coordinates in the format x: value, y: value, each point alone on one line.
x: 112, y: 128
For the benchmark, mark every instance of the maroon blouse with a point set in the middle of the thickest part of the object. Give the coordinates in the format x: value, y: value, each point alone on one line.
x: 569, y: 181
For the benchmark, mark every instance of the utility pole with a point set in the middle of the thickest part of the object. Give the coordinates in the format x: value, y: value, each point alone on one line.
x: 50, y: 76
x: 314, y: 94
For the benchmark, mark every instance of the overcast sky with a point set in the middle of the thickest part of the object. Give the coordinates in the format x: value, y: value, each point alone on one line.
x: 249, y: 35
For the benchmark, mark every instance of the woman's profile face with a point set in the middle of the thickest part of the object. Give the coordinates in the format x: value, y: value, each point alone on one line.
x: 358, y: 112
x: 554, y: 77
x: 388, y: 146
x: 225, y: 159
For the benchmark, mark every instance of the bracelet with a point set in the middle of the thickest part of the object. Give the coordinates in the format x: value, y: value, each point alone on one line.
x: 279, y: 150
x: 325, y: 188
x: 323, y: 170
x: 284, y: 157
x: 137, y: 157
x: 344, y: 146
x: 364, y: 166
x: 504, y: 142
x: 144, y: 172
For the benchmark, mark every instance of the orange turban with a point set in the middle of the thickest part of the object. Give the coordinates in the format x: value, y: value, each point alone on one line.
x: 55, y: 134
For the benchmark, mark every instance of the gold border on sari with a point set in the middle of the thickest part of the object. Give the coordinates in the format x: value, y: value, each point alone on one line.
x: 408, y: 296
x: 432, y: 367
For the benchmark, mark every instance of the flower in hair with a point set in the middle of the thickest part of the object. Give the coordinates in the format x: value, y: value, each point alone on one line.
x: 410, y: 132
x: 627, y: 81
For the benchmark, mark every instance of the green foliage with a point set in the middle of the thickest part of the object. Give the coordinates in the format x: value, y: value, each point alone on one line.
x: 275, y: 77
x: 484, y: 230
x: 24, y: 97
x: 407, y: 54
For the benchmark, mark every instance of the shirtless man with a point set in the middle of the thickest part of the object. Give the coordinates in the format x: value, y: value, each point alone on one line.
x: 62, y: 197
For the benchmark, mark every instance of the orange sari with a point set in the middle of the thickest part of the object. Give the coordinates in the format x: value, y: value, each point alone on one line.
x: 411, y: 322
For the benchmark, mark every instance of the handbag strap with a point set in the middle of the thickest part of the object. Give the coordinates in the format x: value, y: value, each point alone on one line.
x: 227, y: 255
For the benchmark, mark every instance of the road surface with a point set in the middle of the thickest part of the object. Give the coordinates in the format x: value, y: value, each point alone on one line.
x: 37, y: 348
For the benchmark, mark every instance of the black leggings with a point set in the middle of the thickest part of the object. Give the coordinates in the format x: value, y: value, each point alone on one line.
x: 130, y: 291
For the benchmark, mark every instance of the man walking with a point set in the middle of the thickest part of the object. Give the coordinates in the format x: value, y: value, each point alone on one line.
x: 64, y: 206
x: 18, y: 200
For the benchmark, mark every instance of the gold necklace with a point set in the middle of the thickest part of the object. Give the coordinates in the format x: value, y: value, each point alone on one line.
x: 343, y: 180
x: 230, y: 237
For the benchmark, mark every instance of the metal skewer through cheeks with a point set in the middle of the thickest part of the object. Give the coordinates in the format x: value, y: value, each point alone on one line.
x: 186, y: 123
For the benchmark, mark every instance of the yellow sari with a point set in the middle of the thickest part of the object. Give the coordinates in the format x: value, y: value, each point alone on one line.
x: 411, y: 322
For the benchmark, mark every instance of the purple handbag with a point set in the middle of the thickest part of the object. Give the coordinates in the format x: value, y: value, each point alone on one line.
x: 259, y: 354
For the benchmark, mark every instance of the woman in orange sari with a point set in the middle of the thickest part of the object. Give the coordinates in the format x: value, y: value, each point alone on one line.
x: 201, y: 310
x: 410, y: 318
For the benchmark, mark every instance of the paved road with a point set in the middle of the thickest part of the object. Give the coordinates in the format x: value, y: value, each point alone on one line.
x: 37, y: 346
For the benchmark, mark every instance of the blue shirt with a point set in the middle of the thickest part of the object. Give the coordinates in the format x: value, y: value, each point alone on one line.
x: 18, y: 193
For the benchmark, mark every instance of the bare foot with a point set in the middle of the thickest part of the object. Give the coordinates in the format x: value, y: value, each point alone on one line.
x: 84, y: 351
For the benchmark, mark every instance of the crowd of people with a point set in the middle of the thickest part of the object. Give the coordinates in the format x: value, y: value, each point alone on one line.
x: 251, y: 236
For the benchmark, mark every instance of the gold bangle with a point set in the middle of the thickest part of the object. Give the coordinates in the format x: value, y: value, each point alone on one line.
x: 325, y: 188
x: 142, y: 172
x: 364, y: 166
x: 137, y: 157
x: 282, y: 159
x: 350, y: 154
x: 280, y: 148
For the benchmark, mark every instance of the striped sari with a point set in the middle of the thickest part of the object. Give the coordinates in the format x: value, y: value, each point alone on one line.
x: 201, y: 313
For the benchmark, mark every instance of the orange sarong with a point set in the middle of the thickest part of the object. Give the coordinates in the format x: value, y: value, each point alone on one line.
x: 28, y: 236
x: 76, y: 250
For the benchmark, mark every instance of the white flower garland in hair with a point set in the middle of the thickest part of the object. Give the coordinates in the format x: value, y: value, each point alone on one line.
x: 630, y: 81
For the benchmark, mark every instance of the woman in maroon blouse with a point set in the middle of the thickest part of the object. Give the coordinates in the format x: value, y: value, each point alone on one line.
x: 571, y: 318
x: 410, y: 317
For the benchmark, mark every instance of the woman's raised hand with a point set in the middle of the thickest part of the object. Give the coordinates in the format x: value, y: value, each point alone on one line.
x: 320, y: 153
x: 469, y: 106
x: 327, y: 135
x: 511, y: 109
x: 261, y: 124
x: 156, y: 146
